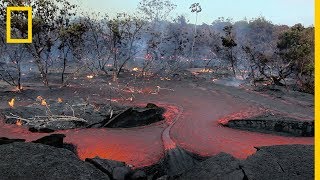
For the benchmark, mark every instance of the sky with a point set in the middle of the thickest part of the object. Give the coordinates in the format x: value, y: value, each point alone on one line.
x: 287, y: 12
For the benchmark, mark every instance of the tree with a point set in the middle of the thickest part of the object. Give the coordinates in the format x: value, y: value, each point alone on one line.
x: 229, y: 43
x: 156, y: 10
x: 49, y: 16
x: 12, y: 56
x: 263, y: 35
x: 293, y: 56
x: 96, y: 49
x: 125, y: 31
x: 296, y: 50
x: 195, y: 8
x: 176, y: 44
x: 207, y: 42
x: 71, y: 36
x: 156, y: 13
x: 111, y: 40
x: 259, y: 64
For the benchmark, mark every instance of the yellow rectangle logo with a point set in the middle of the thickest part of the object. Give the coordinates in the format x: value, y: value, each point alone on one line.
x: 19, y: 41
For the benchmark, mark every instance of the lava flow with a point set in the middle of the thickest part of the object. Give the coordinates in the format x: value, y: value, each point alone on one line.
x: 193, y: 126
x: 139, y: 147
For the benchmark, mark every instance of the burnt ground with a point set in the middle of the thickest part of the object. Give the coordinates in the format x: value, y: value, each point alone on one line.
x: 39, y: 118
x: 195, y: 109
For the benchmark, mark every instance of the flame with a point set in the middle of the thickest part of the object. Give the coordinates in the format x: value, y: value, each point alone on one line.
x: 147, y: 74
x: 90, y: 76
x: 135, y: 69
x: 17, y: 88
x: 39, y: 98
x: 11, y: 103
x: 60, y: 100
x: 165, y: 79
x: 43, y: 102
x: 205, y: 70
x: 19, y: 122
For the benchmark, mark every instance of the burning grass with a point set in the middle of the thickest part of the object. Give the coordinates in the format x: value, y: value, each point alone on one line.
x: 11, y: 103
x: 59, y: 114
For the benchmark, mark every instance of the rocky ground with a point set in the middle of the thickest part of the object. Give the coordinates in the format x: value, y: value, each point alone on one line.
x: 274, y: 124
x: 49, y: 158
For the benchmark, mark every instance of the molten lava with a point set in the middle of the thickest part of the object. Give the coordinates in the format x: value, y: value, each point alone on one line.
x: 197, y: 130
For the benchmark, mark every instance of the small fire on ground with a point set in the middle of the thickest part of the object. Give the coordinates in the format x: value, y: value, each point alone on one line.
x: 43, y: 102
x: 90, y: 76
x: 11, y: 103
x: 19, y: 122
x: 60, y: 100
x: 197, y: 71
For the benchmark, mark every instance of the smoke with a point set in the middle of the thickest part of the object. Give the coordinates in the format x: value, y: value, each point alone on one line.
x: 230, y: 81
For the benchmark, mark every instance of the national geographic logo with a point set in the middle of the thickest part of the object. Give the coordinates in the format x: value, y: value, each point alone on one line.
x: 28, y: 40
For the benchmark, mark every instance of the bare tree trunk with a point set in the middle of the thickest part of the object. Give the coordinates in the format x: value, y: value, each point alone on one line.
x: 37, y: 56
x: 232, y: 63
x: 63, y: 70
x: 65, y: 55
x: 115, y: 68
x: 194, y: 40
x: 47, y: 65
x: 19, y: 76
x: 122, y: 65
x: 42, y: 71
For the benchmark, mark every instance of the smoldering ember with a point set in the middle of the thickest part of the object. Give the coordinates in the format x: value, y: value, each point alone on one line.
x: 153, y: 95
